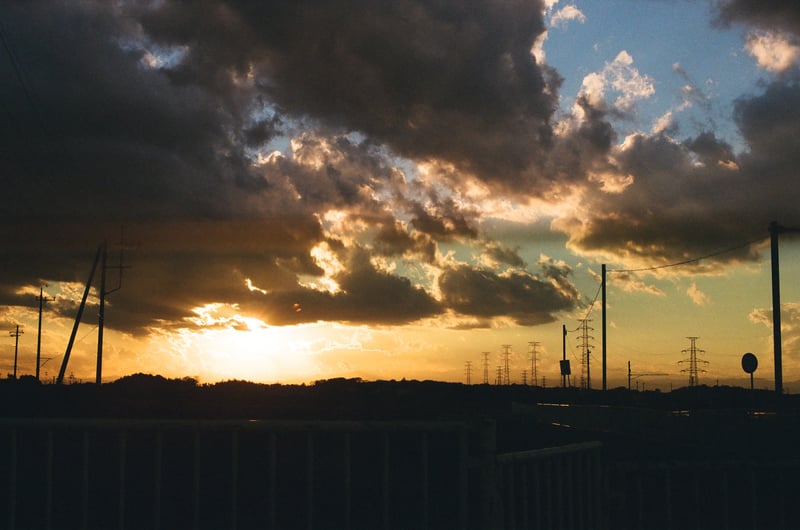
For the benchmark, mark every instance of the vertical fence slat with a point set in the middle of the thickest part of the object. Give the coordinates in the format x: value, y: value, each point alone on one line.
x: 386, y: 481
x: 122, y: 464
x: 348, y: 483
x: 310, y: 480
x: 48, y: 510
x: 195, y: 479
x: 753, y: 496
x: 425, y: 494
x: 157, y: 461
x: 463, y: 479
x: 511, y: 494
x: 524, y: 495
x: 537, y: 494
x: 12, y: 481
x: 668, y: 497
x: 273, y: 477
x: 561, y: 506
x: 234, y: 479
x: 85, y: 482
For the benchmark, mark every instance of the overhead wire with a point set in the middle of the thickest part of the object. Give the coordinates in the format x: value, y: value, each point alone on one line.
x: 666, y: 266
x: 688, y: 261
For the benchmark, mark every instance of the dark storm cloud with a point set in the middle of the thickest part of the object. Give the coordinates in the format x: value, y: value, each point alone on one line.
x: 365, y: 295
x: 438, y: 80
x: 482, y: 293
x: 692, y: 198
x: 159, y: 117
x: 772, y: 14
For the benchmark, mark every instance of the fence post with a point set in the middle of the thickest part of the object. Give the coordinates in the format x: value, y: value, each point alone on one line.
x: 490, y: 515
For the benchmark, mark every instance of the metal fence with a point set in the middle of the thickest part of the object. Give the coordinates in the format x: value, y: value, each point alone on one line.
x: 64, y: 474
x: 554, y: 489
x: 722, y: 495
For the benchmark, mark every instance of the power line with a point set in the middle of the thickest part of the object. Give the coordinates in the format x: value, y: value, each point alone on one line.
x: 688, y: 261
x: 658, y: 267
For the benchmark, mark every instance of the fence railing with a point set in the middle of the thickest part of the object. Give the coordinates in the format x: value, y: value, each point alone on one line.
x: 554, y: 488
x: 721, y: 495
x: 64, y: 474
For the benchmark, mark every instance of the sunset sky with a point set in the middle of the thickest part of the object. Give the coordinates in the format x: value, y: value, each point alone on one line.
x: 387, y: 189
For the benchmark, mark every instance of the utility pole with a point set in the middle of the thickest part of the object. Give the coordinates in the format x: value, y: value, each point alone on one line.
x: 16, y: 333
x: 78, y: 317
x: 637, y: 376
x: 776, y: 230
x: 603, y: 287
x: 534, y: 354
x: 486, y: 367
x: 102, y: 310
x: 693, y: 369
x: 42, y: 301
x: 564, y: 362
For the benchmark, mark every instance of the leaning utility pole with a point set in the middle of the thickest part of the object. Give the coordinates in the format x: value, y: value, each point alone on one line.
x: 78, y: 317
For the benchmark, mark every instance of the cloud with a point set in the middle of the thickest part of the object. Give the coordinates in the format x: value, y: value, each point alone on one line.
x: 686, y: 199
x: 773, y: 51
x: 567, y: 14
x: 790, y: 326
x: 526, y: 298
x: 775, y: 14
x: 446, y: 81
x: 697, y: 296
x: 620, y: 77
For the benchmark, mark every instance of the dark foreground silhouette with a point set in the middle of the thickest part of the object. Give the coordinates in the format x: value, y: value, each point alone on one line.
x: 150, y: 452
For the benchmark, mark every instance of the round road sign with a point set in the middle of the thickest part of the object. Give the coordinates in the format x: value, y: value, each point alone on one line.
x: 749, y: 363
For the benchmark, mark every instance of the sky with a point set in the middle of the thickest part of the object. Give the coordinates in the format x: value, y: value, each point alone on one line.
x: 303, y: 190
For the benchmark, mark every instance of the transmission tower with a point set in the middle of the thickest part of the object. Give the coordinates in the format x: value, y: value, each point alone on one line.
x: 693, y: 361
x: 534, y: 355
x: 486, y: 367
x: 525, y: 377
x: 585, y: 349
x: 506, y: 367
x: 499, y: 378
x: 468, y: 371
x: 16, y: 333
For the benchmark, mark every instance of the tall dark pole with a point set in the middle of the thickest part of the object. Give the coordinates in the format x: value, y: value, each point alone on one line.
x: 603, y: 287
x: 774, y: 230
x: 39, y: 334
x: 564, y: 353
x: 16, y: 335
x: 81, y: 307
x: 101, y: 316
x: 42, y: 300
